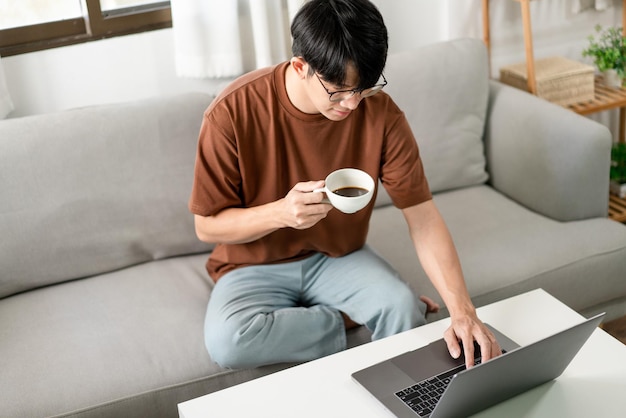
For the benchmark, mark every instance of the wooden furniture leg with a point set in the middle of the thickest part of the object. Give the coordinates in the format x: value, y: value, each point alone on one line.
x: 528, y: 42
x: 624, y: 17
x: 486, y: 32
x: 622, y: 119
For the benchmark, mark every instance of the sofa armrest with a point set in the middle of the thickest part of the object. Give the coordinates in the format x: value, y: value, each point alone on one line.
x: 549, y: 159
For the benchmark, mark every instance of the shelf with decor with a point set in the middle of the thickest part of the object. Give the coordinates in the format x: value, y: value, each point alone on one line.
x: 604, y: 98
x: 617, y: 208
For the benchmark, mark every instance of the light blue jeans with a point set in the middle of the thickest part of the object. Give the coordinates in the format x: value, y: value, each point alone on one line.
x: 291, y: 312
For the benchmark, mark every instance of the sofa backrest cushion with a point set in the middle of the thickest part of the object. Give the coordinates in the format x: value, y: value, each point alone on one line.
x: 96, y: 189
x: 443, y: 90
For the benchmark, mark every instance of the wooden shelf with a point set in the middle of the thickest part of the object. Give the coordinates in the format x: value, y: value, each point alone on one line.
x: 605, y: 98
x: 528, y: 39
x: 617, y: 208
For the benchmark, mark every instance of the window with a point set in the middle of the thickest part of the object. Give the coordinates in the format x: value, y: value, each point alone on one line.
x: 33, y: 25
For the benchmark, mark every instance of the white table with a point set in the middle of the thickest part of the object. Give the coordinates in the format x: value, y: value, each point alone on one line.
x: 324, y: 388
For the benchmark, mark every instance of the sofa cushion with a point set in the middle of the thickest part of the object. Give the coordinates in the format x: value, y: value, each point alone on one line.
x: 129, y: 340
x: 96, y: 189
x: 103, y: 338
x: 443, y: 90
x: 506, y: 249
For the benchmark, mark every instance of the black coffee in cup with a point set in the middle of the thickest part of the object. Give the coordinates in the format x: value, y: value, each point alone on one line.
x: 350, y: 191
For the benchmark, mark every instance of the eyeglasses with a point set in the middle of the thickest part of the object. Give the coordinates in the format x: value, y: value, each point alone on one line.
x: 340, y: 95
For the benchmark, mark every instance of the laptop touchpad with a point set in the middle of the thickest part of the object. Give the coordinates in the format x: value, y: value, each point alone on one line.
x: 429, y: 361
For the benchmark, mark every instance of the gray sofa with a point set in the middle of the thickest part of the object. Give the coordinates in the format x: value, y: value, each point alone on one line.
x: 102, y: 281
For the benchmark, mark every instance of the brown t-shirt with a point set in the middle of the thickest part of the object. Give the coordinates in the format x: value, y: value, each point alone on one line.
x: 254, y: 146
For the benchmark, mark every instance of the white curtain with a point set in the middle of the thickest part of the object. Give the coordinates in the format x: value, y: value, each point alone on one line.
x: 582, y: 5
x: 225, y: 38
x: 6, y: 105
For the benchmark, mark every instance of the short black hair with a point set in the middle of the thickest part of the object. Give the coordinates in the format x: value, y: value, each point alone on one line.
x: 329, y: 34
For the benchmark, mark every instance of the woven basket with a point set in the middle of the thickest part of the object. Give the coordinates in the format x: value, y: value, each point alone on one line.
x: 559, y: 80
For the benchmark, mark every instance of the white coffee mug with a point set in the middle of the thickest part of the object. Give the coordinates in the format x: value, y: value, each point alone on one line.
x: 348, y: 189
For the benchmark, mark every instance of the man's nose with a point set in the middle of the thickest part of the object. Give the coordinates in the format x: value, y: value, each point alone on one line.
x: 352, y: 102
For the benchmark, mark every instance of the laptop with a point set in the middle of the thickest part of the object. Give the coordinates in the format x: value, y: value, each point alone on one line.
x: 428, y: 382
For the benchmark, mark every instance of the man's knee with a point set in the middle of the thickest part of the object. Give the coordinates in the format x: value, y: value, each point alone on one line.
x: 408, y: 306
x: 400, y: 312
x: 232, y: 344
x: 221, y: 349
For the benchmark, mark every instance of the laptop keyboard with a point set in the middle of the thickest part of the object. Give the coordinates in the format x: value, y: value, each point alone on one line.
x: 423, y: 396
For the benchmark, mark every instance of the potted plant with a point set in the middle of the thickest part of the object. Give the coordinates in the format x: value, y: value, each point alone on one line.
x: 608, y: 50
x: 618, y: 170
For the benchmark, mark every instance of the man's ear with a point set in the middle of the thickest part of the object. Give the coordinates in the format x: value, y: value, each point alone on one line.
x: 300, y: 66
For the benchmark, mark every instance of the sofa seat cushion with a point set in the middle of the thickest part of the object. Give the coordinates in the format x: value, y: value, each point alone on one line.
x: 119, y: 337
x: 506, y: 249
x: 130, y: 340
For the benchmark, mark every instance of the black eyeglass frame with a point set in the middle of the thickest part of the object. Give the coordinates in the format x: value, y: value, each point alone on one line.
x: 369, y: 91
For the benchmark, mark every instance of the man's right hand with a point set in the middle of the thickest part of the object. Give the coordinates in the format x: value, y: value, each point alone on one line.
x: 301, y: 208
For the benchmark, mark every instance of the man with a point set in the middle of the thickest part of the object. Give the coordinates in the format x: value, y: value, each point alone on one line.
x: 292, y: 273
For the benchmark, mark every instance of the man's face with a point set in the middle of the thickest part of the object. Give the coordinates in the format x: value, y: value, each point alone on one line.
x: 319, y: 96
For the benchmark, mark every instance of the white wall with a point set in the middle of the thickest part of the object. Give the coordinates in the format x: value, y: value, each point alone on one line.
x: 141, y: 65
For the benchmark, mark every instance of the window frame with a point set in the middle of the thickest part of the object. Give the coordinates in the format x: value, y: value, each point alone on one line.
x: 93, y: 25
